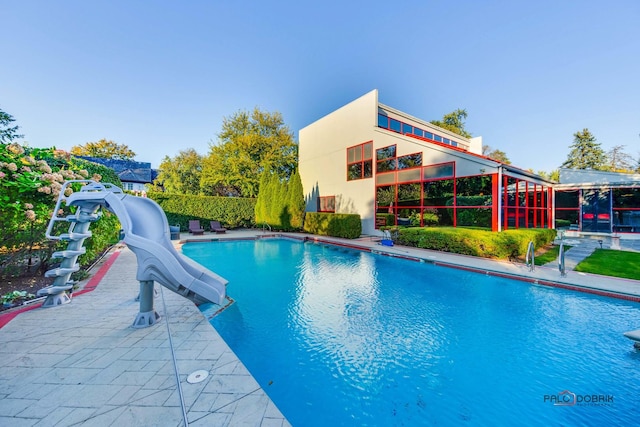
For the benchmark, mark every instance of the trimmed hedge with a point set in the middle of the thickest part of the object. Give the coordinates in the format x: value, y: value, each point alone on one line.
x: 482, y: 243
x: 331, y: 224
x: 232, y: 212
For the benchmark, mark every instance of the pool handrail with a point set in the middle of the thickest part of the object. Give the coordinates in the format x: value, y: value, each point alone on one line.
x: 531, y: 256
x: 561, y: 265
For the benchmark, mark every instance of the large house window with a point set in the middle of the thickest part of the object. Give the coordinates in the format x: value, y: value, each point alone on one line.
x: 386, y: 122
x: 410, y: 161
x: 327, y: 204
x: 474, y: 201
x: 360, y: 161
x: 526, y: 204
x: 386, y: 159
x: 626, y: 209
x: 568, y: 209
x: 443, y: 170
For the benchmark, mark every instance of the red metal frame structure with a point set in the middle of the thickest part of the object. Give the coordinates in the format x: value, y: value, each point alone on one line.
x: 357, y: 155
x: 525, y: 204
x: 326, y: 203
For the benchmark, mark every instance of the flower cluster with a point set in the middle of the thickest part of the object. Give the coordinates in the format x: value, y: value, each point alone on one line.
x: 32, y: 181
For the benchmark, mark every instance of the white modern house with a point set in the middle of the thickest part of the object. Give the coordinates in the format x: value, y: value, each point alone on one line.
x: 392, y: 168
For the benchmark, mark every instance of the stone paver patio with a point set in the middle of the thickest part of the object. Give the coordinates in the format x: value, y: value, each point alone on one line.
x: 83, y: 364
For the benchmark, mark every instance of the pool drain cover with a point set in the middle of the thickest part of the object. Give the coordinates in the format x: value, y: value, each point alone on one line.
x: 197, y: 376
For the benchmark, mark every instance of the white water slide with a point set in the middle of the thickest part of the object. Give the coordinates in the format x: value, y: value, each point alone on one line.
x: 146, y: 233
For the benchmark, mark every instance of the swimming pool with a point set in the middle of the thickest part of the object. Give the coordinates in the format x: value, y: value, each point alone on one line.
x: 341, y: 337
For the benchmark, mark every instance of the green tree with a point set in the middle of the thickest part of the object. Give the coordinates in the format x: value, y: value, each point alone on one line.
x: 585, y: 152
x: 454, y: 122
x: 8, y: 133
x: 248, y: 145
x: 261, y: 202
x: 495, y: 154
x: 296, y: 203
x: 280, y: 203
x: 105, y: 149
x: 618, y: 160
x: 554, y: 175
x: 274, y: 203
x: 181, y: 174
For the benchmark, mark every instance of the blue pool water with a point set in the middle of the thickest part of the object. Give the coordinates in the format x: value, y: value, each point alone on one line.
x: 341, y: 337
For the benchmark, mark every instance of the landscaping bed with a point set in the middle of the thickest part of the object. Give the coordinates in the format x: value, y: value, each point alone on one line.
x: 510, y: 244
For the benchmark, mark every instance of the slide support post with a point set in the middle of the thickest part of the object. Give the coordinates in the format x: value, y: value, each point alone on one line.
x: 147, y: 316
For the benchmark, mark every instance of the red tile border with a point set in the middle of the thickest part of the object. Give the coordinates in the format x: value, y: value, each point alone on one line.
x: 95, y: 280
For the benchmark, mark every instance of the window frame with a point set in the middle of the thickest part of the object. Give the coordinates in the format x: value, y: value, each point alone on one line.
x: 327, y: 201
x: 364, y: 161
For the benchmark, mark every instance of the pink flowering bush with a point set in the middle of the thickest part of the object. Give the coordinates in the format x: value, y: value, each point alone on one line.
x: 30, y: 182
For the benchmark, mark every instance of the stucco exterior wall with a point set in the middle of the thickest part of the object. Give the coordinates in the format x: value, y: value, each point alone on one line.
x: 323, y: 158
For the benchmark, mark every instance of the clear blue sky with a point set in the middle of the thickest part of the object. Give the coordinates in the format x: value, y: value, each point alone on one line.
x: 160, y: 76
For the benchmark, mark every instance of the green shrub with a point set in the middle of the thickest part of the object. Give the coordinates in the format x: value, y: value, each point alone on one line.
x: 331, y: 224
x: 429, y: 219
x: 482, y: 243
x: 31, y: 181
x: 232, y: 212
x: 562, y: 223
x: 105, y: 232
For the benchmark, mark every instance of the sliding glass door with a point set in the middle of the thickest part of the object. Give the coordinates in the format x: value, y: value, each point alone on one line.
x: 596, y: 211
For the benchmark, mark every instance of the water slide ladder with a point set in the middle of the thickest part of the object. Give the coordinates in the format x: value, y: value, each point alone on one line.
x: 146, y: 233
x: 58, y: 293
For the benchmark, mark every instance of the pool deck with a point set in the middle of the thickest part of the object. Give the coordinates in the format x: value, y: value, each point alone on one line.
x: 83, y: 364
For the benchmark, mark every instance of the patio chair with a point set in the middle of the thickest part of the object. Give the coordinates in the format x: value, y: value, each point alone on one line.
x: 216, y: 227
x: 195, y: 228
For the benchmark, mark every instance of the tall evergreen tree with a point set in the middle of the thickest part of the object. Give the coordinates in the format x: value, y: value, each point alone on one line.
x: 274, y: 205
x: 585, y: 152
x: 262, y: 200
x: 296, y: 202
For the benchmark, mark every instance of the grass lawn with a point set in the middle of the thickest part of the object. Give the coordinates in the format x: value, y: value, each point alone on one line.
x: 612, y: 263
x: 550, y: 254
